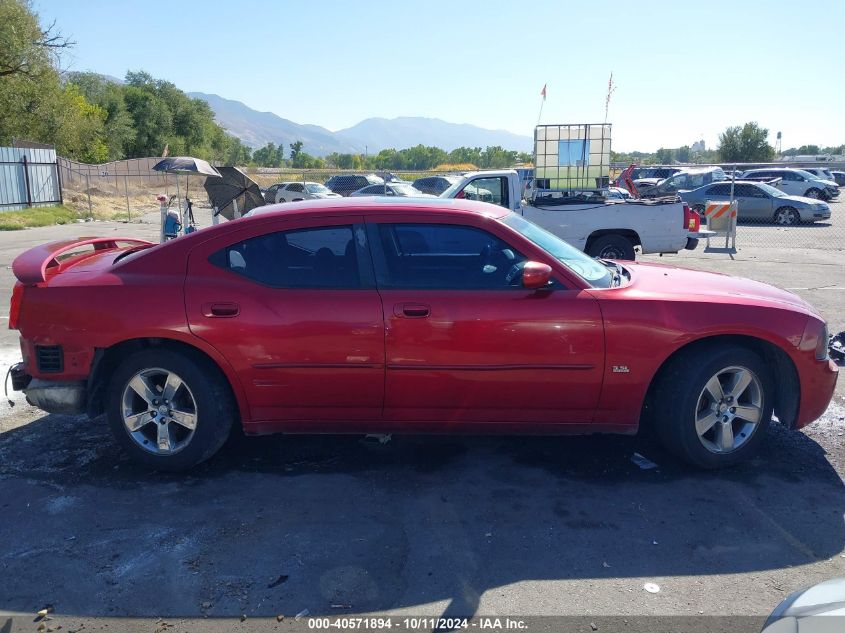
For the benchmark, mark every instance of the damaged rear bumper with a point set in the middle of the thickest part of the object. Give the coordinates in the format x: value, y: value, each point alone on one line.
x: 52, y: 396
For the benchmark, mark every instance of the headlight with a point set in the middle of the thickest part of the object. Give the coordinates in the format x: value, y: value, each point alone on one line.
x: 821, y: 346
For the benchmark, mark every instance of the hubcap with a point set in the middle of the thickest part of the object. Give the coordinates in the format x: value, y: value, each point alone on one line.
x: 159, y: 411
x: 812, y: 194
x: 786, y: 217
x: 729, y: 409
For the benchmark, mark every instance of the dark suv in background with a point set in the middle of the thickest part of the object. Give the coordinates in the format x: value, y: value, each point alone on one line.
x: 435, y: 185
x: 347, y: 183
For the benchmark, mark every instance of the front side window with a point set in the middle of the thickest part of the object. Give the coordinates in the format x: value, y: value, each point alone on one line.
x: 295, y: 187
x: 488, y: 190
x: 447, y: 256
x: 324, y: 257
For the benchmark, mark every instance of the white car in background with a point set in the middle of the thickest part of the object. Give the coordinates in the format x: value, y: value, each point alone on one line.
x: 795, y: 182
x: 294, y: 191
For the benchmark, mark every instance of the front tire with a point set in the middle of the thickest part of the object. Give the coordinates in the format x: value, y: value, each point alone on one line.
x: 813, y: 193
x: 712, y: 405
x: 612, y: 247
x: 168, y: 410
x: 787, y: 216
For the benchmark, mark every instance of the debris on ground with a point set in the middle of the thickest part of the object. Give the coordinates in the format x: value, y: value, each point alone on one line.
x: 301, y: 614
x: 278, y: 581
x: 836, y: 346
x: 280, y: 617
x: 243, y: 617
x: 652, y: 587
x: 594, y: 626
x: 42, y: 614
x: 643, y: 462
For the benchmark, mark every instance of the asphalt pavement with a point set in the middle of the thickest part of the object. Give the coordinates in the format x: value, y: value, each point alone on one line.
x: 418, y: 526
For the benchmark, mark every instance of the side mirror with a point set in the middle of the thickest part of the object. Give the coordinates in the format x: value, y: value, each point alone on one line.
x: 536, y: 275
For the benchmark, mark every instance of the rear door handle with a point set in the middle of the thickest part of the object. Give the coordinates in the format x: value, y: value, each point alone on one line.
x: 412, y: 310
x: 221, y: 310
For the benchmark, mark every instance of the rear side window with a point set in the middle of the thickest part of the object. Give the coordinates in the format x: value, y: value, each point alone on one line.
x: 323, y: 257
x: 719, y: 190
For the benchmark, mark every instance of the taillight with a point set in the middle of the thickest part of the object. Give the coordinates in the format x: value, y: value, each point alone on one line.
x: 15, y: 305
x: 822, y: 346
x: 692, y: 221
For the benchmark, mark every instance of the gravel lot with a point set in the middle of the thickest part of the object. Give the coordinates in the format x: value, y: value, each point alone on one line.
x: 420, y: 525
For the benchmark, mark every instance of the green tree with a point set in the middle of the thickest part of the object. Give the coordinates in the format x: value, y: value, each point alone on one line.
x: 664, y: 156
x: 745, y: 144
x: 108, y: 95
x: 683, y: 154
x: 27, y: 50
x: 153, y: 123
x: 295, y: 149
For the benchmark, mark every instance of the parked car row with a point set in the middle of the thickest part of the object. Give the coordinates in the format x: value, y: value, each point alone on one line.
x: 796, y: 182
x: 759, y: 201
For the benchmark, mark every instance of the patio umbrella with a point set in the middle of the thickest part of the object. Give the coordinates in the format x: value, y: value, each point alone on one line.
x: 233, y: 186
x: 187, y: 165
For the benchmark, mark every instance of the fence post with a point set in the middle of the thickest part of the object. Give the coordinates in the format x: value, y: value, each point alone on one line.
x: 26, y: 181
x: 88, y: 191
x: 126, y: 189
x: 59, y: 180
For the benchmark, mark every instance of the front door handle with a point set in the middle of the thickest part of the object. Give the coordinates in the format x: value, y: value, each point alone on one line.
x: 224, y: 309
x: 412, y: 310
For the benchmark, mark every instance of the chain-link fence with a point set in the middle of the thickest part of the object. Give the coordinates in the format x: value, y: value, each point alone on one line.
x: 780, y: 205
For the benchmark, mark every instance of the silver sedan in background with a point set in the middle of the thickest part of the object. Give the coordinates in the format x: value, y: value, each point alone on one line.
x: 759, y: 202
x: 400, y: 189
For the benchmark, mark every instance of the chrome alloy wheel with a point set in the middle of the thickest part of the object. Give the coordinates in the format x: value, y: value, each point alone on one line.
x: 729, y: 409
x: 159, y: 411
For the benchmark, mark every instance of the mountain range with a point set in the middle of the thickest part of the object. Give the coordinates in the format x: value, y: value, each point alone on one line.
x: 256, y: 129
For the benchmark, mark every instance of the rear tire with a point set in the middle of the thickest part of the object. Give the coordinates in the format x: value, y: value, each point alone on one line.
x: 168, y: 410
x: 612, y: 247
x: 712, y: 405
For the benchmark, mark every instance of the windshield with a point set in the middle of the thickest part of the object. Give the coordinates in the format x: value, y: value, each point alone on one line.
x: 451, y: 191
x: 772, y: 191
x: 589, y: 269
x: 313, y: 187
x: 807, y: 174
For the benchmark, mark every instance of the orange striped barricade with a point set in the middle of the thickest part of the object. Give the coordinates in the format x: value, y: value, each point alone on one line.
x: 721, y: 219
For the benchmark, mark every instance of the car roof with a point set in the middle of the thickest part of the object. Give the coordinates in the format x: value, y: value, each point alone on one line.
x: 357, y: 206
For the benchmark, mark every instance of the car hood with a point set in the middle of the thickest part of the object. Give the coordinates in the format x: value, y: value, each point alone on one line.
x: 674, y: 283
x: 809, y: 202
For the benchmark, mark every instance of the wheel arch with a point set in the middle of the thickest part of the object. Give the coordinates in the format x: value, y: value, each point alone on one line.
x: 107, y: 359
x: 785, y: 374
x: 629, y: 234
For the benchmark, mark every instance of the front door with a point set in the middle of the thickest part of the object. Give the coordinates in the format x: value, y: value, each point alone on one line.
x: 293, y: 308
x: 465, y: 342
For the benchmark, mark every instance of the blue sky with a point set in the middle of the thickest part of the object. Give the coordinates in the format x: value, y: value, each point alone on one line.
x: 684, y: 70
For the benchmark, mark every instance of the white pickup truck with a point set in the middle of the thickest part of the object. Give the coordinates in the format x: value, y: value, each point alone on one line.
x: 610, y: 229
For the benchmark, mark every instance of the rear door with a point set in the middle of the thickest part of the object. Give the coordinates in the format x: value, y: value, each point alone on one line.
x: 466, y: 343
x: 292, y: 306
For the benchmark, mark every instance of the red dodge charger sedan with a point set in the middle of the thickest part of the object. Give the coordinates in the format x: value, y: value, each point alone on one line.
x: 383, y: 316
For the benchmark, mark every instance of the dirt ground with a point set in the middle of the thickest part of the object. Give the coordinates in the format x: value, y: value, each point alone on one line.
x: 419, y: 526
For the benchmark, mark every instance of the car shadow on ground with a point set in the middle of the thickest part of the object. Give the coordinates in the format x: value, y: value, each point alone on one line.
x: 336, y: 525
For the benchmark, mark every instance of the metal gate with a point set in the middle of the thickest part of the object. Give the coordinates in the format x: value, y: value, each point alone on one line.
x: 28, y: 178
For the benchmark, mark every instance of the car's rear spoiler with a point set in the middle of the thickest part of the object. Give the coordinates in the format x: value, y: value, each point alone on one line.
x: 31, y: 267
